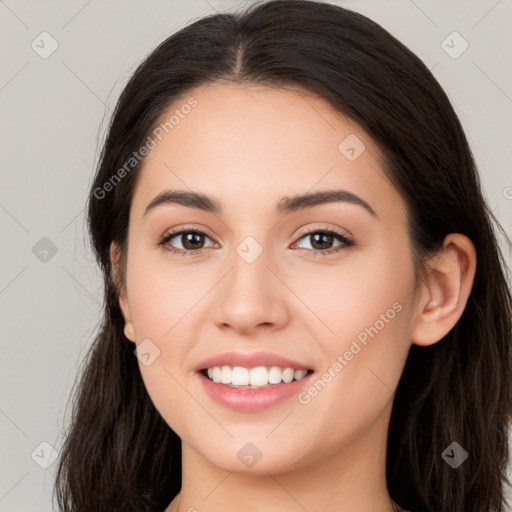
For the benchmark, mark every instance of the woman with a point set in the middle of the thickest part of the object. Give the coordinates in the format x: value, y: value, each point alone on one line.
x: 305, y: 301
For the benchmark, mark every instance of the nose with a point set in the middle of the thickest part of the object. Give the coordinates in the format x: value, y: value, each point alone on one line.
x: 251, y: 297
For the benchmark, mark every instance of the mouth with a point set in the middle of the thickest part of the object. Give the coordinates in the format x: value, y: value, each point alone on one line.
x: 259, y: 377
x: 253, y: 389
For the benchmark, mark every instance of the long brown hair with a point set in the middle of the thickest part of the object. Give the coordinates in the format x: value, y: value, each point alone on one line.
x: 119, y: 454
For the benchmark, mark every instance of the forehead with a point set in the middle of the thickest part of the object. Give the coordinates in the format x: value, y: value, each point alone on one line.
x: 253, y: 145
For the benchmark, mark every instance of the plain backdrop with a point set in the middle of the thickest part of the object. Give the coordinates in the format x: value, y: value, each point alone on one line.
x: 54, y: 109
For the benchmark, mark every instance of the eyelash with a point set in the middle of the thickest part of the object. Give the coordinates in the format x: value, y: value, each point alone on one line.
x: 347, y: 243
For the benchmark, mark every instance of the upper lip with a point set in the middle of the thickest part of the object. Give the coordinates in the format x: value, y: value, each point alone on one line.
x: 250, y: 360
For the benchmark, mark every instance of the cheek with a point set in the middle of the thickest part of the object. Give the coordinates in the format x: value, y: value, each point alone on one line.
x: 165, y: 301
x: 352, y: 294
x: 369, y: 308
x: 162, y: 293
x: 162, y: 299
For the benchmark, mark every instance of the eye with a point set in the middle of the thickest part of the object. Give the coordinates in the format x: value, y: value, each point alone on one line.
x: 321, y: 238
x: 190, y: 240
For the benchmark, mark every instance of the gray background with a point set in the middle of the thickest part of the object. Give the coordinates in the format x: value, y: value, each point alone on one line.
x: 53, y: 113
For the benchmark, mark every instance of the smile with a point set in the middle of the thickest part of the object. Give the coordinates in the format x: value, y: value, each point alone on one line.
x: 267, y: 392
x: 253, y: 378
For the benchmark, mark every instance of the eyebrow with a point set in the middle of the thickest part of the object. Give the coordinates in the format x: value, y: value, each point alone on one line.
x: 285, y: 206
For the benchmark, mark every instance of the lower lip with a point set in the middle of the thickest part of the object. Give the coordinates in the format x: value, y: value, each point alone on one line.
x: 243, y: 399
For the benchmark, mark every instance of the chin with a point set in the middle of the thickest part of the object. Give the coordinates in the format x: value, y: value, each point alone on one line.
x: 255, y: 458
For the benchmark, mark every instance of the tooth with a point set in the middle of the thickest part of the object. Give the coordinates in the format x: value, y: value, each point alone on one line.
x: 288, y: 375
x: 258, y: 376
x: 274, y: 375
x: 253, y: 378
x: 216, y: 373
x: 225, y: 376
x: 240, y: 376
x: 300, y: 373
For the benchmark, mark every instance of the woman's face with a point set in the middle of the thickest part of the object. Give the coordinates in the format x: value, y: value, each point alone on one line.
x: 251, y: 282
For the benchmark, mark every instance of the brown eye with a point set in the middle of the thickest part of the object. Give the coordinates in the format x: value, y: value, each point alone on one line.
x: 191, y: 241
x: 322, y: 241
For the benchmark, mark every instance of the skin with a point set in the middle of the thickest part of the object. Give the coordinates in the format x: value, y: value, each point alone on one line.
x: 248, y: 147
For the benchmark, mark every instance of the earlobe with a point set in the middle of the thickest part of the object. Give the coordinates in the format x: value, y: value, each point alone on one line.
x: 129, y: 330
x: 446, y: 290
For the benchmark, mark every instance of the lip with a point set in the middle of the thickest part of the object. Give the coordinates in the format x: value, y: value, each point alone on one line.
x: 243, y: 399
x: 250, y: 360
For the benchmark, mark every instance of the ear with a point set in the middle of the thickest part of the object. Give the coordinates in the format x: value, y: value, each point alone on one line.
x: 444, y: 295
x: 129, y: 330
